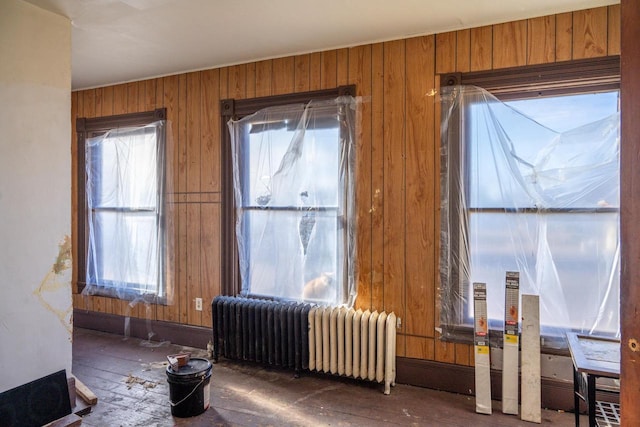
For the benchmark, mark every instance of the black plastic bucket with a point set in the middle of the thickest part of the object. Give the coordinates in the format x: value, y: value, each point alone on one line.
x: 189, y: 388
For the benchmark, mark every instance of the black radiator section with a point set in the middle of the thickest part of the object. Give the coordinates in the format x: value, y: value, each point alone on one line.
x: 267, y: 332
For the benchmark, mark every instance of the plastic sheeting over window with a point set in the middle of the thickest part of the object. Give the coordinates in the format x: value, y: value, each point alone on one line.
x: 520, y: 196
x: 128, y: 241
x: 294, y: 191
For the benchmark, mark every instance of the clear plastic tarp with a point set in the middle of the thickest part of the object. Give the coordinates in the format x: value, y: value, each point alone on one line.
x: 293, y: 169
x: 531, y: 186
x: 128, y: 217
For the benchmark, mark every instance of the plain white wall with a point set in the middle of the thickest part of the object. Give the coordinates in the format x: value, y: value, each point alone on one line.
x: 35, y: 193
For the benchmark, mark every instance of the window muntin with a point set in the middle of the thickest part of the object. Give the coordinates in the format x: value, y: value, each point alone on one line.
x: 538, y: 201
x: 294, y: 199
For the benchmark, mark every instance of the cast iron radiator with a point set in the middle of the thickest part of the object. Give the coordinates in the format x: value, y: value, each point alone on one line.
x: 332, y: 340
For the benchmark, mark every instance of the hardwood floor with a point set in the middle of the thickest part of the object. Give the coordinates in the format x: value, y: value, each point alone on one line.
x: 129, y: 378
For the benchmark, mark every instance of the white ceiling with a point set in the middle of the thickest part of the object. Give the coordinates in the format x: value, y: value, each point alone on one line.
x: 116, y: 41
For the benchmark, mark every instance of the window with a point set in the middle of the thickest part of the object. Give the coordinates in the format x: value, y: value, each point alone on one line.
x: 531, y: 184
x: 294, y: 199
x: 123, y: 227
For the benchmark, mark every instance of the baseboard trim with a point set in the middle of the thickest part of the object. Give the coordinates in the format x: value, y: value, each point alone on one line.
x: 176, y: 333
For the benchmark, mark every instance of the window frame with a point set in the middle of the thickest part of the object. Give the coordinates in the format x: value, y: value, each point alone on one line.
x: 237, y: 109
x: 514, y: 83
x: 91, y: 127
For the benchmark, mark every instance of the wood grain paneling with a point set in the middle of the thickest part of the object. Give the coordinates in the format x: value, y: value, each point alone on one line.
x: 315, y: 70
x: 397, y: 155
x: 394, y: 190
x: 613, y: 30
x: 302, y: 73
x: 419, y: 243
x: 377, y: 177
x: 463, y: 51
x: 283, y: 77
x: 360, y: 75
x: 541, y: 40
x: 419, y: 347
x: 210, y: 131
x: 263, y: 78
x: 590, y: 33
x: 564, y: 36
x: 328, y: 69
x: 481, y: 48
x: 510, y: 44
x: 446, y: 52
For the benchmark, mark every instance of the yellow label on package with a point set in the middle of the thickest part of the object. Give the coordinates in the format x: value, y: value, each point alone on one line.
x: 482, y: 349
x: 511, y: 339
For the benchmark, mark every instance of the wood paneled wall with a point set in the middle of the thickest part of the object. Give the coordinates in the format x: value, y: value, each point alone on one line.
x: 397, y: 156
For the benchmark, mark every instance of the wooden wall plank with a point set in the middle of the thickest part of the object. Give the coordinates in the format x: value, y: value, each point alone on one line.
x: 182, y: 134
x: 541, y: 40
x: 315, y: 70
x: 463, y: 51
x: 419, y: 244
x: 150, y: 94
x: 342, y: 67
x: 107, y: 101
x: 210, y: 131
x: 564, y: 36
x: 98, y: 101
x: 283, y: 77
x: 481, y: 48
x: 238, y: 81
x: 360, y: 75
x: 394, y: 223
x: 170, y: 96
x: 132, y: 97
x: 377, y: 177
x: 302, y: 69
x: 590, y: 33
x: 328, y: 69
x: 142, y: 96
x: 193, y: 284
x: 89, y: 103
x: 210, y: 258
x: 613, y: 30
x: 462, y: 354
x: 446, y: 52
x: 420, y: 347
x: 510, y: 44
x: 182, y: 301
x: 193, y: 157
x: 120, y: 99
x: 251, y: 80
x: 444, y: 351
x: 263, y: 78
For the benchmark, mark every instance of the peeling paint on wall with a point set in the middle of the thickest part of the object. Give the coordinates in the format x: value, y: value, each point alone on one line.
x: 58, y: 279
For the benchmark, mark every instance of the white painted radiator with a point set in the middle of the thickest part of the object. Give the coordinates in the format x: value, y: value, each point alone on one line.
x: 355, y: 344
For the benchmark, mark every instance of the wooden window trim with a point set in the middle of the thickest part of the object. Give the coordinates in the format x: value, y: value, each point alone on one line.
x: 236, y: 109
x: 86, y: 128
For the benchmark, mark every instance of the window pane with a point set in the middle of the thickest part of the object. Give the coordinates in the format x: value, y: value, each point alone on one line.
x: 124, y: 169
x: 289, y: 249
x: 312, y: 168
x: 570, y: 260
x: 125, y: 251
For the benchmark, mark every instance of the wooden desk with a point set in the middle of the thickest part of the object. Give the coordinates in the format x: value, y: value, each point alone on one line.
x: 593, y: 357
